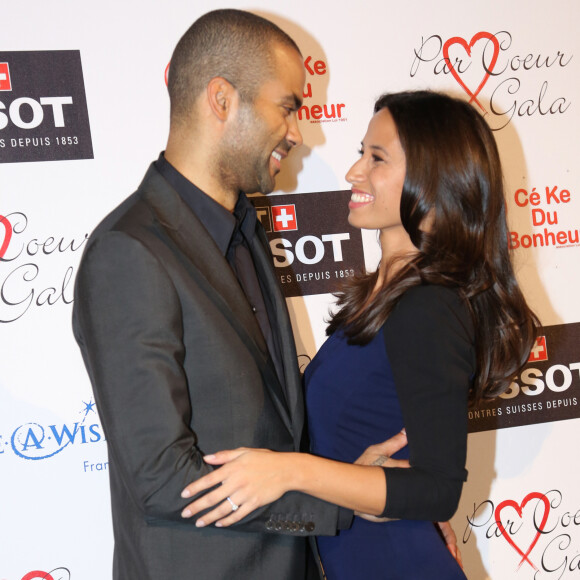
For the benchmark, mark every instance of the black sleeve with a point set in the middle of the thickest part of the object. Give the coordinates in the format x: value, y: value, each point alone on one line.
x: 429, y: 339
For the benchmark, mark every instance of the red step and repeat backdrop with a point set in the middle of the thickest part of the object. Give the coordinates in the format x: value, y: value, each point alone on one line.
x: 83, y: 111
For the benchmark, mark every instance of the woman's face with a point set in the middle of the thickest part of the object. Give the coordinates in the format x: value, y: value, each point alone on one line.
x: 377, y: 177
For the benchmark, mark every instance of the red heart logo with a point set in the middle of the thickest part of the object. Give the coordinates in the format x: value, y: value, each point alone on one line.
x: 7, y: 235
x: 519, y: 508
x: 468, y: 47
x: 38, y: 575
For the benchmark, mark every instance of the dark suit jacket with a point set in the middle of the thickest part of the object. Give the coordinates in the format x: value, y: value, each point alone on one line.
x: 180, y: 369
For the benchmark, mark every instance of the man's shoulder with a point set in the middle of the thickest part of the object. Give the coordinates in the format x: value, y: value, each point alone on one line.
x: 132, y: 213
x: 131, y: 210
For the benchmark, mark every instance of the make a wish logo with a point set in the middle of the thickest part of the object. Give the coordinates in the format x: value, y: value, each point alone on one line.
x: 540, y: 534
x: 503, y: 80
x: 35, y: 441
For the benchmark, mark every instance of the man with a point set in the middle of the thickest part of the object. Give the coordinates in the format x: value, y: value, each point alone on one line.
x: 183, y: 329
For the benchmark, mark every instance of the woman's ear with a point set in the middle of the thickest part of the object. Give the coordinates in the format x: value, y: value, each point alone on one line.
x: 428, y: 221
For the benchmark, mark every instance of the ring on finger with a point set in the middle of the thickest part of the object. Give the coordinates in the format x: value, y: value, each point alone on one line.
x: 235, y: 506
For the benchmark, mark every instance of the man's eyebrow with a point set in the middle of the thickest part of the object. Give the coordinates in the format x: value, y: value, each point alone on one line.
x: 293, y: 100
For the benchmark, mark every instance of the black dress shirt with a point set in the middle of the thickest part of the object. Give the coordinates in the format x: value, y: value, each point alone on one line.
x: 232, y: 233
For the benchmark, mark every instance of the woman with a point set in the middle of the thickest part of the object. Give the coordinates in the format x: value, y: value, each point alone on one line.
x: 441, y: 321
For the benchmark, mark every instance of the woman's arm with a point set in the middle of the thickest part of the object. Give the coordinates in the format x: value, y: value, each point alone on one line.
x: 429, y: 340
x: 252, y: 478
x: 430, y: 343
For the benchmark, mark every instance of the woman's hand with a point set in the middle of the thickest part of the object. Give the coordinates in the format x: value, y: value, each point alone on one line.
x: 375, y: 519
x: 380, y: 453
x: 249, y: 478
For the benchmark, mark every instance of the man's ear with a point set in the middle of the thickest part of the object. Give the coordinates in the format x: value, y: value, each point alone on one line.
x: 222, y: 97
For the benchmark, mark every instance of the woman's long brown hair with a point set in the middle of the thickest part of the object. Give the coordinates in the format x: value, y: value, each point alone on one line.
x: 453, y: 174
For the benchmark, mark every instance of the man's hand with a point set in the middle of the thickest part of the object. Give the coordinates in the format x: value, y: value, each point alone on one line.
x: 450, y: 540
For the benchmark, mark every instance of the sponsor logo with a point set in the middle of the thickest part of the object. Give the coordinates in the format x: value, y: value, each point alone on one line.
x: 539, y: 350
x: 313, y: 250
x: 56, y: 574
x: 509, y: 505
x: 6, y: 235
x: 548, y: 389
x: 548, y: 209
x: 496, y: 78
x: 539, y: 533
x: 43, y: 109
x: 314, y: 110
x: 5, y: 84
x: 284, y: 218
x: 35, y: 270
x: 487, y: 67
x: 36, y: 441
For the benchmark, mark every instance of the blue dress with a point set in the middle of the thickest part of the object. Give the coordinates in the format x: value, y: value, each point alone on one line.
x: 352, y: 402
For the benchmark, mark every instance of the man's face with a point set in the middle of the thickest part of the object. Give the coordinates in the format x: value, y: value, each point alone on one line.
x: 263, y: 132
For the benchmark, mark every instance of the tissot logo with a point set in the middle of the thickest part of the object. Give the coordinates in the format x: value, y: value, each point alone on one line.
x: 540, y: 350
x: 326, y: 249
x: 547, y: 389
x: 43, y: 109
x: 5, y: 84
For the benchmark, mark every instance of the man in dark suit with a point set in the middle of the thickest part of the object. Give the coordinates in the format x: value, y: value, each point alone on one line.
x: 181, y: 323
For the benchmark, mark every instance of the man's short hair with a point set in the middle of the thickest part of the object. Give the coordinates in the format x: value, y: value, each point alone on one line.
x: 232, y: 44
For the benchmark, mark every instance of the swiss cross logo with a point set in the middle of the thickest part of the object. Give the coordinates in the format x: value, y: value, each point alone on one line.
x: 539, y: 350
x: 284, y: 218
x: 5, y: 84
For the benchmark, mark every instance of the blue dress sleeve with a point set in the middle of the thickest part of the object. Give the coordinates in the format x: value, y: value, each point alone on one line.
x: 429, y: 338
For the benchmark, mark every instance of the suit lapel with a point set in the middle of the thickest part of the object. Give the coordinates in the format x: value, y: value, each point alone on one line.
x: 194, y: 242
x: 282, y: 326
x: 211, y: 271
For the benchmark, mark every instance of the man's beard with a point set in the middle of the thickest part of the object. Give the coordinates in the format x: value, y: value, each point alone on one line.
x: 242, y: 163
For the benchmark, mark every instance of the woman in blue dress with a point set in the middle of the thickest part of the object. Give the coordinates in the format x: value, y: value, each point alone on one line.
x: 441, y: 322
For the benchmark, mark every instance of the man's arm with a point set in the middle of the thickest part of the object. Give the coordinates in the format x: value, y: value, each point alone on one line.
x: 128, y: 322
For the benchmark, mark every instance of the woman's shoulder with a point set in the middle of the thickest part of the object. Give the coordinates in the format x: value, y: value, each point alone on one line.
x: 431, y: 327
x: 432, y: 304
x: 435, y: 292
